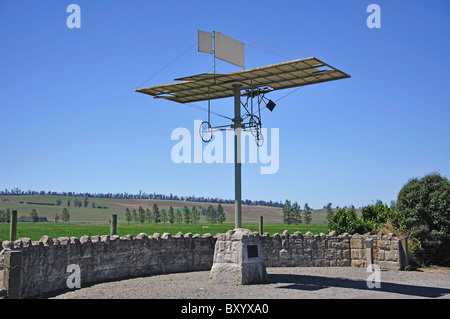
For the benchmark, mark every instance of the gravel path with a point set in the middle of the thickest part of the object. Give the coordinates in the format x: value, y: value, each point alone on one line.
x: 285, y: 283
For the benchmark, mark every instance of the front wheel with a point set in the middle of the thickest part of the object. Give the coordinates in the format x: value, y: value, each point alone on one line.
x: 206, y: 132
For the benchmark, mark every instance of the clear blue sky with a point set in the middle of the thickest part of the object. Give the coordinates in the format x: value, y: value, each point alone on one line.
x: 71, y: 121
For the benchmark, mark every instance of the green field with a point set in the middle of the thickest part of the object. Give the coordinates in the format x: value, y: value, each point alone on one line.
x: 88, y: 213
x: 250, y: 214
x: 94, y: 221
x: 55, y: 230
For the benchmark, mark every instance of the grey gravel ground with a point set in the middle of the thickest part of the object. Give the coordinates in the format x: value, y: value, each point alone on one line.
x: 284, y: 283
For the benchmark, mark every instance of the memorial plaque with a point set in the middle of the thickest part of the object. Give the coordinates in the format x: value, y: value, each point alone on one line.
x: 252, y: 251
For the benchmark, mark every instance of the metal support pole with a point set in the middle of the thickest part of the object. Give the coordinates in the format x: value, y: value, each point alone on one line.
x: 369, y: 251
x: 13, y: 226
x: 403, y: 253
x: 261, y: 224
x: 237, y: 155
x: 113, y: 226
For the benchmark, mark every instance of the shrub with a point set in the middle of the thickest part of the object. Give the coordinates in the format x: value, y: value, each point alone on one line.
x: 425, y: 205
x: 345, y: 220
x: 373, y: 218
x: 379, y: 215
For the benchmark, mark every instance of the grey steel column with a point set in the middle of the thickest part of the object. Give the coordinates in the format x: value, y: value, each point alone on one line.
x: 237, y: 156
x: 113, y: 226
x: 13, y: 226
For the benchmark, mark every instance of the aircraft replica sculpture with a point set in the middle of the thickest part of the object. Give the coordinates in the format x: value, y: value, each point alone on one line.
x: 252, y: 84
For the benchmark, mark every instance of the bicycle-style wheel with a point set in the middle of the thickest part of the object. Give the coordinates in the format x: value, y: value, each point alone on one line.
x: 206, y: 132
x: 254, y: 125
x: 259, y: 138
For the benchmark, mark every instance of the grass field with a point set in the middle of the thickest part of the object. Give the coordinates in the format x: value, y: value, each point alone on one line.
x: 94, y: 221
x: 55, y: 230
x: 250, y: 214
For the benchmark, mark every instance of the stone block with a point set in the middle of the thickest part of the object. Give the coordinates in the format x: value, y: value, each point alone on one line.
x: 379, y: 255
x: 238, y: 258
x: 284, y: 255
x: 357, y: 243
x: 358, y: 263
x: 346, y: 254
x: 358, y: 254
x: 388, y: 265
x: 394, y: 244
x: 392, y: 255
x: 384, y: 244
x: 321, y: 263
x: 344, y: 263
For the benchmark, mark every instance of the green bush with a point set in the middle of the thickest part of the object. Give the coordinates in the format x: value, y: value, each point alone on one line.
x: 373, y: 218
x: 425, y: 205
x: 378, y: 215
x: 345, y: 220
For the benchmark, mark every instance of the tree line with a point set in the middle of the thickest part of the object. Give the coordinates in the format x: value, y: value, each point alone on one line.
x: 5, y: 217
x: 140, y: 195
x: 185, y: 215
x: 293, y: 214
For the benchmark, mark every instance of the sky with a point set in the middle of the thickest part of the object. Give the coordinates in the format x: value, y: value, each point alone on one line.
x: 70, y: 119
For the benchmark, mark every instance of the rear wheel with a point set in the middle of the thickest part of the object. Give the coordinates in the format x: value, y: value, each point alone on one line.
x: 254, y: 125
x: 259, y: 138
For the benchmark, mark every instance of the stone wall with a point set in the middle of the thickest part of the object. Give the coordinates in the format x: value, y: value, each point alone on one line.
x: 104, y: 258
x: 1, y: 265
x: 332, y: 250
x: 389, y: 252
x: 308, y: 250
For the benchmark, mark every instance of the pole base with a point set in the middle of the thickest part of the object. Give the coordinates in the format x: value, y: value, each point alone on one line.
x: 238, y: 259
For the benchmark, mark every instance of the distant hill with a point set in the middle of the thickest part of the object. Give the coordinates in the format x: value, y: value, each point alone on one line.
x: 100, y: 209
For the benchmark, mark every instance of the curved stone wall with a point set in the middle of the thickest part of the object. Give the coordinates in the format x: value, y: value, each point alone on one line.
x: 44, y: 264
